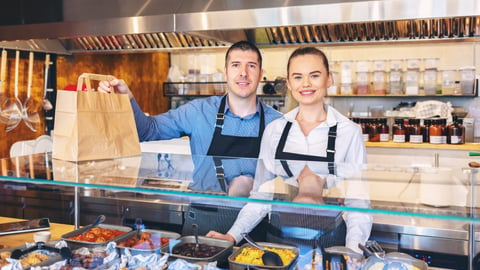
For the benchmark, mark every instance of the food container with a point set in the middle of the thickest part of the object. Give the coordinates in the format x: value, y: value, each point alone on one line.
x: 32, y: 258
x: 225, y: 249
x: 73, y: 244
x: 395, y: 82
x: 467, y: 79
x: 396, y: 64
x: 430, y: 82
x: 240, y: 266
x: 413, y: 64
x: 362, y: 83
x: 395, y: 260
x: 411, y: 82
x: 430, y: 63
x: 379, y: 84
x: 351, y: 259
x: 346, y: 72
x: 448, y: 82
x: 379, y: 65
x: 156, y: 236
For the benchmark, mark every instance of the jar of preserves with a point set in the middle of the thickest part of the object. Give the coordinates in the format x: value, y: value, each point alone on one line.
x: 426, y: 130
x: 374, y: 134
x: 435, y: 132
x: 414, y: 131
x: 399, y: 131
x: 384, y: 130
x: 444, y: 129
x: 365, y: 128
x: 456, y: 132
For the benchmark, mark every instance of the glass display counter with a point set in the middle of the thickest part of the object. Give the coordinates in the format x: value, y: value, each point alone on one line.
x: 427, y: 212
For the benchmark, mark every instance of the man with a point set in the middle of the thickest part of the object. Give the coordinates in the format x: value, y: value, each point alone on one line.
x: 227, y: 126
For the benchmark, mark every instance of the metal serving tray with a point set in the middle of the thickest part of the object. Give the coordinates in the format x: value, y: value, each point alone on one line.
x: 220, y: 256
x: 75, y: 244
x: 52, y: 259
x: 241, y: 266
x: 154, y: 234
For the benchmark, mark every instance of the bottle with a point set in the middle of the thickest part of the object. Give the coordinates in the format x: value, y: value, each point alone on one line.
x: 435, y: 132
x: 384, y: 130
x: 414, y: 131
x: 456, y: 132
x: 426, y: 130
x: 444, y: 128
x: 399, y: 131
x: 374, y: 134
x: 365, y: 129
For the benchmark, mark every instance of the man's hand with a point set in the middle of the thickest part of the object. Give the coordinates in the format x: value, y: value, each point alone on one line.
x: 218, y: 235
x: 118, y: 85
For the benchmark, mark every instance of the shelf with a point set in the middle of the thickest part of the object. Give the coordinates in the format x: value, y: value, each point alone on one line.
x: 403, y: 96
x: 390, y: 144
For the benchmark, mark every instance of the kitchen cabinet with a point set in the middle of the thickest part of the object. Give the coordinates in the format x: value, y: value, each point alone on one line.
x: 181, y: 92
x: 431, y: 213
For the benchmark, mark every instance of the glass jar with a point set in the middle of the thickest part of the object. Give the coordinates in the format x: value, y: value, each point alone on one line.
x: 435, y: 132
x: 444, y: 129
x: 379, y: 86
x: 374, y: 134
x: 399, y: 131
x: 411, y: 82
x: 426, y: 130
x: 395, y: 82
x: 430, y: 82
x: 383, y: 130
x: 362, y: 83
x: 467, y: 80
x: 448, y: 82
x: 365, y: 129
x: 414, y: 131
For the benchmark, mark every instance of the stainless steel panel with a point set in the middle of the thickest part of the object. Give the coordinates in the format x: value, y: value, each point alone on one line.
x: 440, y: 245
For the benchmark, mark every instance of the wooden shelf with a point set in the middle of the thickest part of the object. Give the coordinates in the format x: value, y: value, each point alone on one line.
x: 390, y: 144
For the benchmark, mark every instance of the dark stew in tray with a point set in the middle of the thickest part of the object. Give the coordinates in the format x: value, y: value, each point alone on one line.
x: 203, y: 250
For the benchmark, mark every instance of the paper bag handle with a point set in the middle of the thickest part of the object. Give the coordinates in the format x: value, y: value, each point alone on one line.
x: 91, y: 76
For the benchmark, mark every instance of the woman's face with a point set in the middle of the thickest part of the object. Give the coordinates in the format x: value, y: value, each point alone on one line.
x: 308, y: 79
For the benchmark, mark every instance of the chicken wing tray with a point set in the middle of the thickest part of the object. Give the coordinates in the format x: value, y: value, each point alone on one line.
x: 99, y: 235
x: 146, y: 241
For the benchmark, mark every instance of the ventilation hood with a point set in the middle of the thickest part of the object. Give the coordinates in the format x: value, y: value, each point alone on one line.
x: 156, y: 25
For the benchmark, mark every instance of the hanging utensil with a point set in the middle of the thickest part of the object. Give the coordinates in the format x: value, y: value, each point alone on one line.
x: 46, y: 104
x: 14, y: 108
x: 30, y: 106
x: 3, y: 76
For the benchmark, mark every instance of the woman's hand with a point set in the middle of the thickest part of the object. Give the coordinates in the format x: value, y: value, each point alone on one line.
x: 118, y: 85
x: 218, y: 235
x: 310, y: 187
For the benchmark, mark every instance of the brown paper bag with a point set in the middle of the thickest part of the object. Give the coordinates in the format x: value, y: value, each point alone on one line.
x: 90, y: 125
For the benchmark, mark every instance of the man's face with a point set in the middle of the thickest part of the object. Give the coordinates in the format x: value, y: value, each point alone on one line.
x: 243, y: 73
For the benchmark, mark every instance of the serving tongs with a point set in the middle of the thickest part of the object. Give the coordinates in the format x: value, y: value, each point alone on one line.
x: 65, y: 252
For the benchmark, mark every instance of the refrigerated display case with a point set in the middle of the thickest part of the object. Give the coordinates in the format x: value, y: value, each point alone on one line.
x: 430, y: 213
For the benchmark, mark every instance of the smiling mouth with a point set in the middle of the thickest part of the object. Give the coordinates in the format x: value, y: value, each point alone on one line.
x: 307, y: 92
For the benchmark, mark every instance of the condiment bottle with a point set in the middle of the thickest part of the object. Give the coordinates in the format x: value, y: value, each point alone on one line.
x: 398, y: 131
x: 426, y: 130
x: 374, y: 134
x: 365, y: 129
x: 384, y: 130
x: 436, y: 132
x: 414, y: 131
x: 456, y: 132
x: 443, y: 125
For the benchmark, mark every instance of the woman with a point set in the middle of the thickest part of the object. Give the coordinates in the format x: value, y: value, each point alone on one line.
x: 307, y: 148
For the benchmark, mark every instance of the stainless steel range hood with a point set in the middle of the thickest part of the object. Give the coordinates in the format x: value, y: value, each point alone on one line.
x: 146, y: 25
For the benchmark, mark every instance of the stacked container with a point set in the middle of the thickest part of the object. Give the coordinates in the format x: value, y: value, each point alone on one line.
x: 412, y: 77
x: 362, y: 71
x: 430, y: 77
x: 346, y: 78
x: 379, y: 83
x: 395, y: 77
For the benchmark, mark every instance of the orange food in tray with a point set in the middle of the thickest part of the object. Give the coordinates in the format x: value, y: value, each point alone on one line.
x: 97, y: 235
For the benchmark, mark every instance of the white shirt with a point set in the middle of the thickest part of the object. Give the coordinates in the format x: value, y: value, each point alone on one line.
x: 349, y: 151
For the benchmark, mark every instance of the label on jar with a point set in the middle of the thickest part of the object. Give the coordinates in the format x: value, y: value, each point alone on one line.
x: 456, y: 139
x: 365, y: 137
x: 384, y: 137
x: 416, y: 138
x: 399, y: 138
x: 444, y: 139
x: 436, y: 139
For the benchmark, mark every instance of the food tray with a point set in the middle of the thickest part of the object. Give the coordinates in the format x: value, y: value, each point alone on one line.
x: 74, y: 244
x: 220, y: 256
x: 403, y: 258
x: 155, y: 234
x: 241, y: 266
x: 51, y: 260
